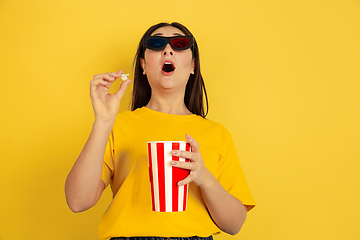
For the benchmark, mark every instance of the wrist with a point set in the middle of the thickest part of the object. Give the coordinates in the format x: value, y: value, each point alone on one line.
x: 103, y: 125
x: 209, y: 182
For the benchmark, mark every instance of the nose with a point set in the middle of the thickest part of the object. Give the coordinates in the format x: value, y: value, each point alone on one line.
x: 168, y: 51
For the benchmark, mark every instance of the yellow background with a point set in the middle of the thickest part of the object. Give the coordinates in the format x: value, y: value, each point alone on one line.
x: 282, y: 76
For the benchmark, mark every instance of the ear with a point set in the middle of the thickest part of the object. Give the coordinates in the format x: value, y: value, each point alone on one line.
x: 193, y: 66
x: 142, y: 63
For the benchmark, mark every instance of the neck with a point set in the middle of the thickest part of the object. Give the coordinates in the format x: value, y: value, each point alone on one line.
x: 170, y: 104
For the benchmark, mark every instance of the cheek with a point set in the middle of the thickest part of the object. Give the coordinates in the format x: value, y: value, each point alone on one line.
x: 150, y: 59
x: 186, y: 61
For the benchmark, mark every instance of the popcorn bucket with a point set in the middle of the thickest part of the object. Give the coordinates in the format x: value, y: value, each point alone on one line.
x: 166, y: 196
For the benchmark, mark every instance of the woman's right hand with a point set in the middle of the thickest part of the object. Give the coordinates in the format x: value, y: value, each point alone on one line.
x: 106, y: 105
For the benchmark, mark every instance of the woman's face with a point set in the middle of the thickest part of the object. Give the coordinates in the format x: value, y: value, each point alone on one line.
x: 160, y: 77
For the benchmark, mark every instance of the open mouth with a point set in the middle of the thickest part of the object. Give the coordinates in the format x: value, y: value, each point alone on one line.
x: 168, y: 67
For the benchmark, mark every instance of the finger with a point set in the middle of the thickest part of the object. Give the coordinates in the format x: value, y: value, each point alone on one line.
x: 98, y: 82
x: 110, y: 77
x: 118, y: 74
x: 121, y: 91
x: 106, y: 76
x: 194, y: 144
x: 184, y: 165
x: 186, y: 180
x: 184, y: 154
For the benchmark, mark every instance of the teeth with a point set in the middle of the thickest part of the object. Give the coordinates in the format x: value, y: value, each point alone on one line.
x: 168, y: 67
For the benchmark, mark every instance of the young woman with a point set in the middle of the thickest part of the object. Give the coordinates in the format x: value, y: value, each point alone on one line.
x: 167, y: 105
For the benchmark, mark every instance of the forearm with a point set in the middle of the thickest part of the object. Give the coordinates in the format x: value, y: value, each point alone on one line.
x: 227, y: 212
x: 82, y: 183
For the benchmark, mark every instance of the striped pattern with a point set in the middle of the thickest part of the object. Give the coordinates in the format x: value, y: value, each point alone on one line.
x: 165, y: 194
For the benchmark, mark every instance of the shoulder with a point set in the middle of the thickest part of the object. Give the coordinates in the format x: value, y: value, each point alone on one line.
x: 214, y: 126
x: 212, y: 131
x: 127, y: 115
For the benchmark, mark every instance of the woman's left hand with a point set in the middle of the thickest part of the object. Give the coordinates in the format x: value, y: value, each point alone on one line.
x: 199, y: 174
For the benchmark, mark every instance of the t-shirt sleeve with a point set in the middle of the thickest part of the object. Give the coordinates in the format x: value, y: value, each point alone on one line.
x: 230, y: 174
x: 108, y: 164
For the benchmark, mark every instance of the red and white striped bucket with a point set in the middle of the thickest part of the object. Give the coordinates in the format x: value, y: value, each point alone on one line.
x: 166, y: 196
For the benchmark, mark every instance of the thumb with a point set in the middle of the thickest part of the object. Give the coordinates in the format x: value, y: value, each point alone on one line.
x: 121, y: 91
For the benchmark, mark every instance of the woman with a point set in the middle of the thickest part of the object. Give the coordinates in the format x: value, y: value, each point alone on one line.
x: 167, y: 105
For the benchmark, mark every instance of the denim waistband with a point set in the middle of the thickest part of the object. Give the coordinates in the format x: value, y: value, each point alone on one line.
x: 163, y: 238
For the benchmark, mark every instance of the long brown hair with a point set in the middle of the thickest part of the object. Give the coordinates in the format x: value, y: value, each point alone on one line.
x: 195, y: 89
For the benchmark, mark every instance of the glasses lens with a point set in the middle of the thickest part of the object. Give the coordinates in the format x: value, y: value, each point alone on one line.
x: 156, y: 43
x: 180, y: 43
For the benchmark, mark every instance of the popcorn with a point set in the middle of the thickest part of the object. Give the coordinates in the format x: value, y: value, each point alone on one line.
x: 124, y: 76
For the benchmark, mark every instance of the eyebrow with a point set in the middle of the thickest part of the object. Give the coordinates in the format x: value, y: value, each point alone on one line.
x: 175, y: 34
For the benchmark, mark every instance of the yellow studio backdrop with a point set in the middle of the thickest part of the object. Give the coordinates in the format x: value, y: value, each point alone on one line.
x: 282, y: 76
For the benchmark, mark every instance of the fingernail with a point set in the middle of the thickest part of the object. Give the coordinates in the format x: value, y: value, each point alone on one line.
x: 174, y: 152
x: 173, y: 163
x: 188, y: 136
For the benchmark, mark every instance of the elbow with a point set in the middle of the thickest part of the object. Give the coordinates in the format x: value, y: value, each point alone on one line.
x: 76, y: 207
x: 77, y: 210
x: 235, y: 227
x: 75, y: 204
x: 234, y: 230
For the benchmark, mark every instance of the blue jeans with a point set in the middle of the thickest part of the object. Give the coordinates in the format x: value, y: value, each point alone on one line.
x: 162, y: 238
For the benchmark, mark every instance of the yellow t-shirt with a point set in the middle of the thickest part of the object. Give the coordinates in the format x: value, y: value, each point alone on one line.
x: 126, y: 170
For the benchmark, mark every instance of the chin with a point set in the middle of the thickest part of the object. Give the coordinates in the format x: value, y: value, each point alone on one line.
x: 168, y: 87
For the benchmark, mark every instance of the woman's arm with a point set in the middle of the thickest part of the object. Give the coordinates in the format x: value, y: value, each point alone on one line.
x: 227, y: 212
x: 83, y: 186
